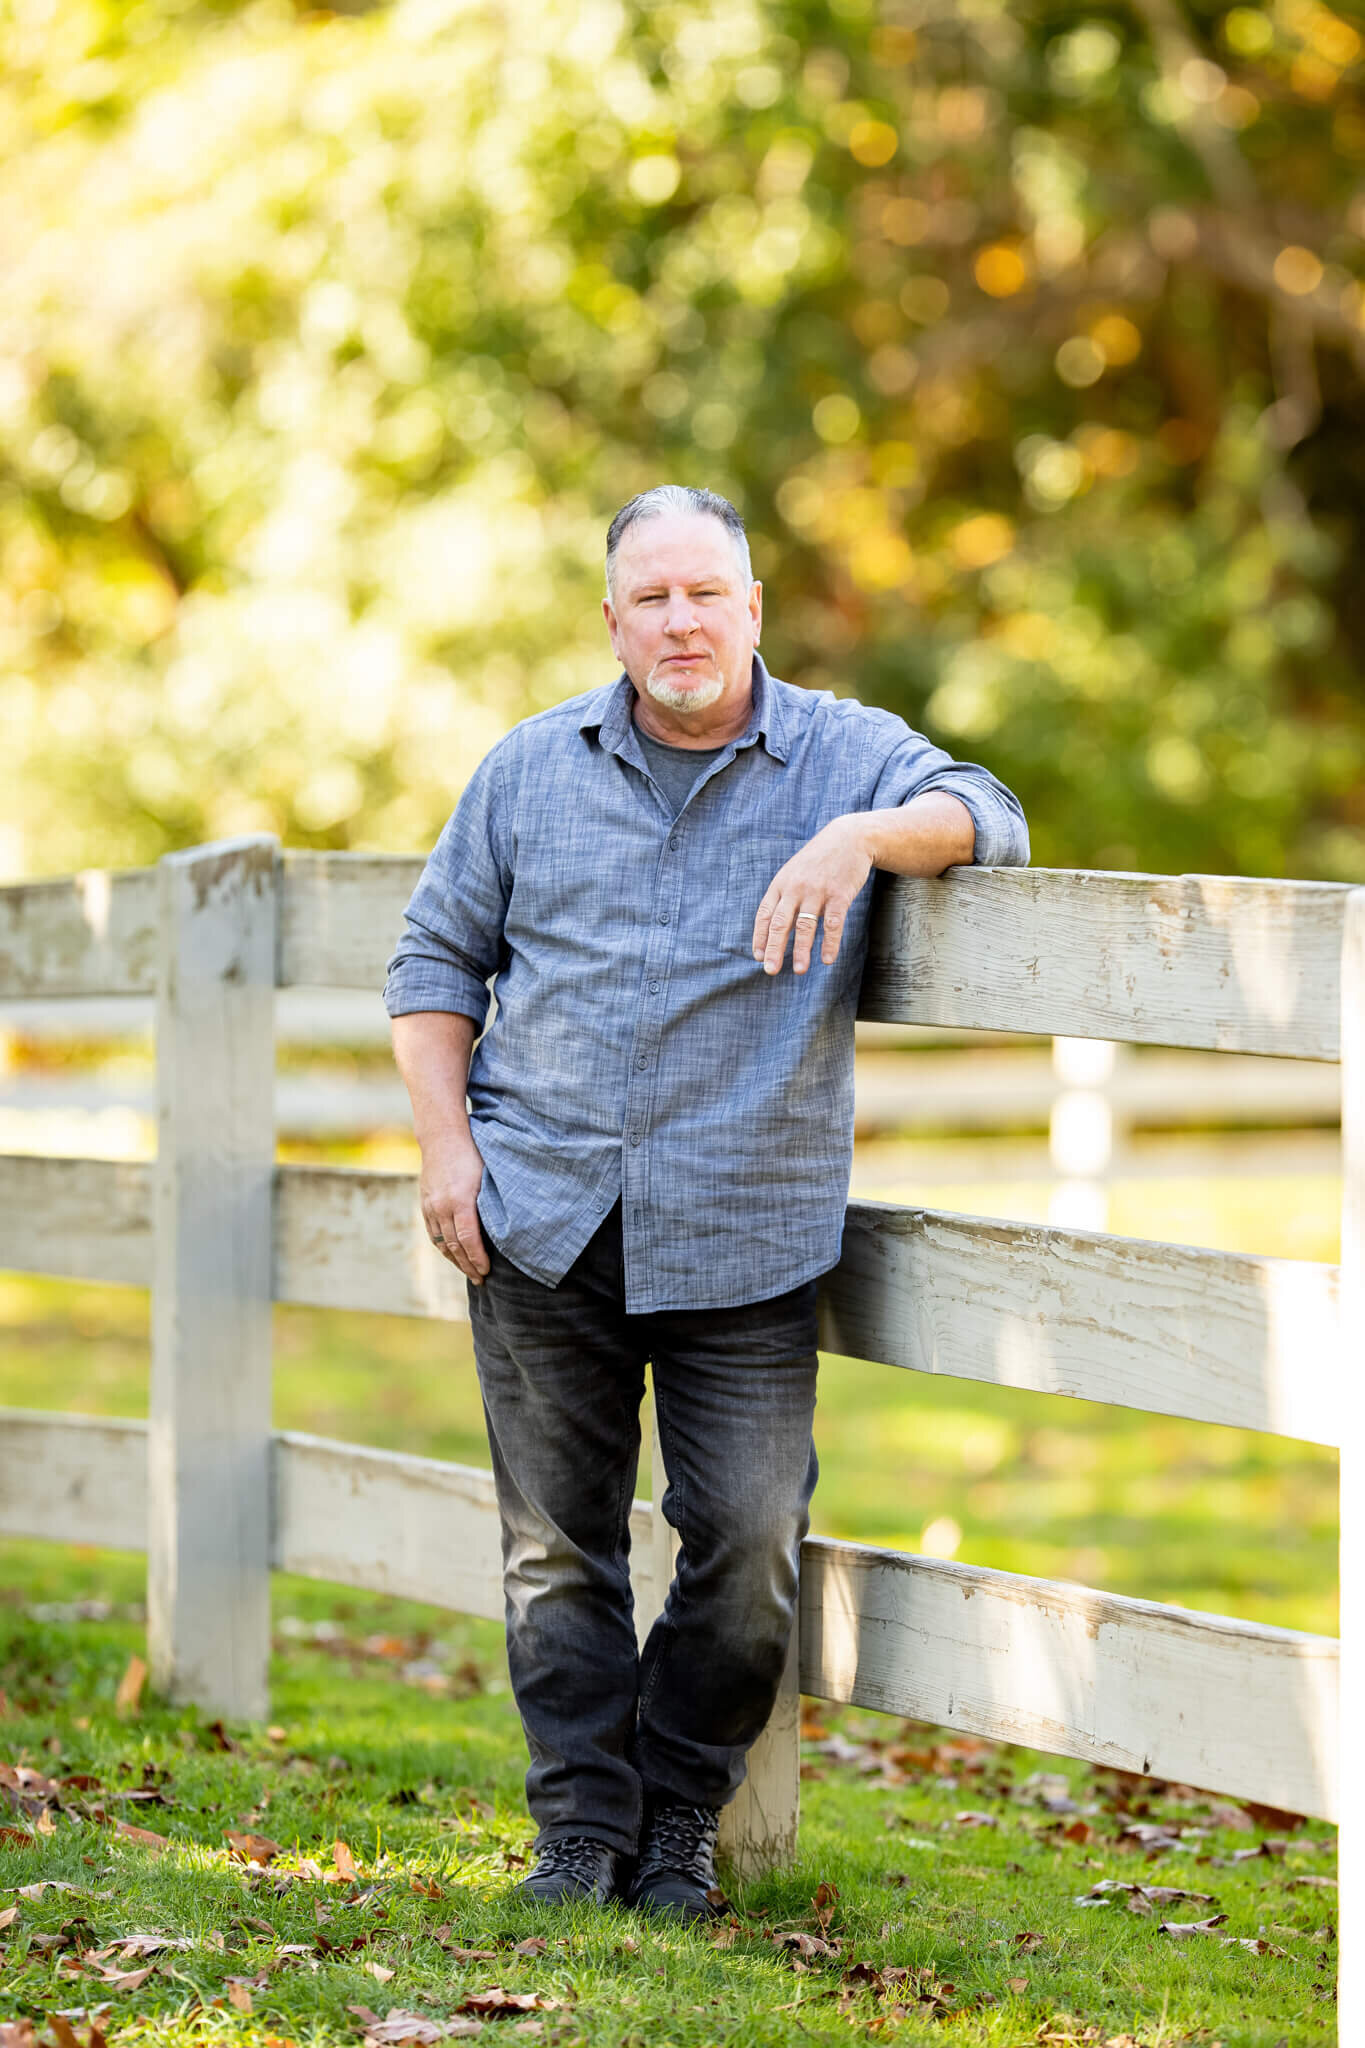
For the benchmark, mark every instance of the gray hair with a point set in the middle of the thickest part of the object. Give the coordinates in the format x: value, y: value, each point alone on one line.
x: 678, y: 498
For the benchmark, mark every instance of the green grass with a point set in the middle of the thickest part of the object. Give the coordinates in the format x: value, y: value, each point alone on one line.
x: 423, y: 1786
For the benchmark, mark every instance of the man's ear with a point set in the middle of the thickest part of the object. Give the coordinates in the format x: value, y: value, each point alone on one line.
x: 610, y: 617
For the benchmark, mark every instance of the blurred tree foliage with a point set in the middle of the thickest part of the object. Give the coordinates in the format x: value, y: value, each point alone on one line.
x: 1028, y: 336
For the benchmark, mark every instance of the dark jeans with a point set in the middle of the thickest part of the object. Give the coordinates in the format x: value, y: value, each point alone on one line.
x: 562, y: 1374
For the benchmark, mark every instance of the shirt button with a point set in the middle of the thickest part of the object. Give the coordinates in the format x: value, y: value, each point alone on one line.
x: 643, y: 1060
x: 635, y: 1137
x: 654, y: 987
x: 675, y: 843
x: 663, y: 917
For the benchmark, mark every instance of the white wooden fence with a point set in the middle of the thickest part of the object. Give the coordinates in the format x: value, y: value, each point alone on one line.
x: 218, y: 1231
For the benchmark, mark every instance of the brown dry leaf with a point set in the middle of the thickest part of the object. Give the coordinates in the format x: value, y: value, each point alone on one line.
x: 144, y: 1837
x: 128, y: 1980
x: 1325, y: 1882
x: 245, y: 1847
x: 723, y: 1934
x: 130, y: 1686
x: 803, y: 1944
x: 238, y: 1995
x: 378, y: 1972
x: 426, y: 1888
x: 1078, y: 1831
x: 1276, y: 1817
x: 1182, y: 1928
x: 496, y: 2000
x: 1016, y: 1984
x: 344, y: 1860
x: 400, y: 2026
x: 823, y: 1904
x: 9, y: 1916
x: 1028, y: 1941
x: 1257, y: 1945
x: 971, y: 1819
x: 17, y: 2034
x: 151, y: 1944
x: 16, y: 1838
x: 534, y: 1945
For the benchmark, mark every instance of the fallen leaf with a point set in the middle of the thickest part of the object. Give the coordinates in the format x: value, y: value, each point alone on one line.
x: 722, y: 1935
x: 249, y: 1848
x: 822, y: 1905
x: 1256, y: 1944
x: 239, y: 1996
x: 534, y: 1945
x: 1078, y: 1831
x: 16, y: 1838
x: 804, y: 1944
x: 144, y: 1837
x: 1028, y: 1941
x: 344, y: 1860
x: 496, y: 2000
x: 1325, y: 1882
x: 378, y: 1972
x: 1276, y: 1817
x: 9, y: 1916
x: 1016, y: 1984
x: 130, y: 1686
x: 971, y: 1819
x: 128, y: 1980
x: 426, y: 1888
x: 1182, y: 1928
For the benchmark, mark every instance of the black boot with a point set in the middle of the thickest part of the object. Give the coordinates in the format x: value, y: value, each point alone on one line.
x: 572, y: 1867
x: 677, y: 1870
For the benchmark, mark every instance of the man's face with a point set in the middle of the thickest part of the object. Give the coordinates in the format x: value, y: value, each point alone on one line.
x: 682, y: 623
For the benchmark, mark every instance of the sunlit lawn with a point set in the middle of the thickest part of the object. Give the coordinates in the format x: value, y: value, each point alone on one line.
x: 935, y: 1896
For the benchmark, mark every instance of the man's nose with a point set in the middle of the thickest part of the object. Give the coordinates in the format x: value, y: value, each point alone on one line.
x: 680, y: 620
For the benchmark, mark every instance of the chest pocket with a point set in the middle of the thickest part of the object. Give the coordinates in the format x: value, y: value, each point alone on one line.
x: 751, y: 868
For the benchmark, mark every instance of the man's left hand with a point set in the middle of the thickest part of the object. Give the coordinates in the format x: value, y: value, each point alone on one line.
x: 816, y: 886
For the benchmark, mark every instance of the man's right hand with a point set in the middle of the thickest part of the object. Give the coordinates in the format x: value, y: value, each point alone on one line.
x: 451, y: 1173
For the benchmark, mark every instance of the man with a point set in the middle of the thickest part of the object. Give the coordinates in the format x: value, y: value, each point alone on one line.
x: 654, y: 1162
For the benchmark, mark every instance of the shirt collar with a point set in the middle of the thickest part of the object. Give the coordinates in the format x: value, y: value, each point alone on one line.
x: 609, y: 713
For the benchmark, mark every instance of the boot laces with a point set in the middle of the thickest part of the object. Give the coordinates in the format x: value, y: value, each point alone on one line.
x: 681, y: 1838
x: 571, y: 1856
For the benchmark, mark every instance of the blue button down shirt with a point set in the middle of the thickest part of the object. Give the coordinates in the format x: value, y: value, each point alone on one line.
x: 637, y: 1048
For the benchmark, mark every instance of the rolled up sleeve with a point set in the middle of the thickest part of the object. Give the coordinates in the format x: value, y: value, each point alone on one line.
x: 915, y: 766
x: 452, y: 945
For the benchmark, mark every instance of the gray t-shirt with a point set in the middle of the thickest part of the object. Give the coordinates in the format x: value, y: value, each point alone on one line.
x: 675, y: 769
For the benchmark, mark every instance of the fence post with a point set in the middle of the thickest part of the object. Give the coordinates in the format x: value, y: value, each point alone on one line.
x: 1351, y: 1874
x: 758, y: 1827
x: 208, y: 1480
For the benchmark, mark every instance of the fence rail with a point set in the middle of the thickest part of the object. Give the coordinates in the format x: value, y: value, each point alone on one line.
x: 218, y: 1231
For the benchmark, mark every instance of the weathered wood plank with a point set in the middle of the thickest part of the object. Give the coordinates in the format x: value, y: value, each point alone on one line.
x: 342, y: 915
x: 1225, y: 1705
x: 1352, y: 1871
x: 391, y: 1523
x: 73, y: 1478
x: 92, y: 934
x: 79, y: 1219
x: 1192, y: 960
x: 208, y: 1501
x: 352, y: 1238
x: 1214, y: 1336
